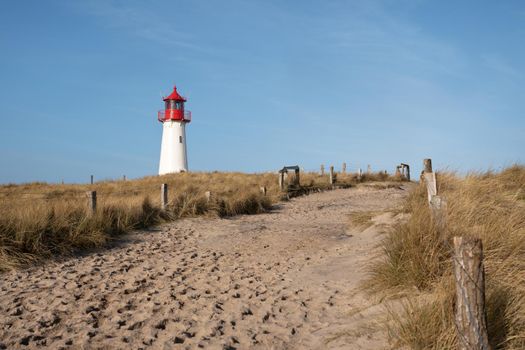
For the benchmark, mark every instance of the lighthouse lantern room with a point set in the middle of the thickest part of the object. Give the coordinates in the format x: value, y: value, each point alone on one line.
x: 174, y: 117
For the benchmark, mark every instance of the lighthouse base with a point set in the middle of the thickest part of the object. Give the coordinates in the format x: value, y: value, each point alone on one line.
x: 173, y: 157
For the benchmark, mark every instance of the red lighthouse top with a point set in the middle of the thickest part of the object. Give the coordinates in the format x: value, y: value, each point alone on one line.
x: 174, y: 108
x: 175, y: 96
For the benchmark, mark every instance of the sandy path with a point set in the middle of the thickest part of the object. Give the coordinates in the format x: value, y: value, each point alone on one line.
x: 283, y: 280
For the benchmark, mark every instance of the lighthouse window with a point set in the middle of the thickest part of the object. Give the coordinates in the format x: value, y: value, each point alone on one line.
x: 180, y: 139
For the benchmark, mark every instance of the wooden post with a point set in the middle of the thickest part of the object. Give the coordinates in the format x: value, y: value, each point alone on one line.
x: 123, y: 177
x: 438, y: 207
x: 343, y: 168
x: 470, y: 315
x: 263, y: 190
x: 281, y: 181
x: 427, y: 165
x: 332, y: 175
x: 359, y: 174
x: 322, y: 169
x: 92, y: 200
x: 369, y: 169
x: 407, y: 174
x: 208, y: 195
x: 164, y: 196
x: 92, y: 179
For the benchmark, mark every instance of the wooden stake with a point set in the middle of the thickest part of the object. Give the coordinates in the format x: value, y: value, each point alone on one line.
x: 322, y: 169
x: 263, y: 190
x: 427, y: 165
x: 438, y: 207
x: 164, y: 196
x: 208, y: 195
x: 343, y: 168
x: 92, y: 179
x: 281, y: 181
x: 92, y: 200
x: 470, y: 314
x: 332, y: 175
x: 369, y: 169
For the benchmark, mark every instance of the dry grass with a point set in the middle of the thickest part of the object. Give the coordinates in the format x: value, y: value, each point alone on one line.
x: 418, y: 261
x: 40, y: 220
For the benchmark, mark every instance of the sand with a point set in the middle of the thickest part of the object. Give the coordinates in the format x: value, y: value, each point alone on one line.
x: 288, y: 279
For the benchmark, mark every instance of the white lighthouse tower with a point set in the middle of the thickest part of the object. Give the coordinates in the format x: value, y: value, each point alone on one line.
x: 173, y: 157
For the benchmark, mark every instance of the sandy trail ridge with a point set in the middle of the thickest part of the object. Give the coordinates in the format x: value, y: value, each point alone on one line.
x: 287, y: 279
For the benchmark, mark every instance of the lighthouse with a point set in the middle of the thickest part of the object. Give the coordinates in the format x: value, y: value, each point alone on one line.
x: 173, y: 157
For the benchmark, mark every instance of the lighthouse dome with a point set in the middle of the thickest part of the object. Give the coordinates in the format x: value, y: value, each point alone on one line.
x: 174, y: 96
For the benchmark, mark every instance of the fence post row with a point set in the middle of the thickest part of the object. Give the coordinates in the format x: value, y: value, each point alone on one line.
x: 469, y: 274
x: 164, y: 196
x: 92, y: 200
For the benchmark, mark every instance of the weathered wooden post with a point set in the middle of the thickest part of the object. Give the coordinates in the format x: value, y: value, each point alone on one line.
x: 343, y: 168
x: 369, y: 169
x: 332, y: 175
x: 92, y: 179
x: 164, y: 196
x: 429, y: 178
x: 427, y: 165
x: 438, y: 207
x: 359, y: 174
x: 263, y: 190
x: 123, y: 177
x: 208, y: 195
x: 281, y: 180
x: 92, y: 199
x: 322, y: 169
x: 296, y: 179
x: 470, y: 314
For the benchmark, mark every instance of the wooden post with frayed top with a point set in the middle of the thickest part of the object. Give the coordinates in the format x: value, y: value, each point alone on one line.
x: 470, y: 314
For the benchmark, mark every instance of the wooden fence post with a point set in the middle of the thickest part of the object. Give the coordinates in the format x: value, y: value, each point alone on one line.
x: 359, y: 174
x: 427, y: 165
x: 470, y: 314
x: 297, y: 179
x: 92, y: 179
x: 369, y: 169
x: 429, y: 178
x: 438, y: 207
x: 164, y: 196
x: 343, y: 168
x: 322, y: 169
x: 281, y: 181
x: 123, y: 177
x: 263, y: 190
x: 208, y: 195
x: 332, y: 175
x: 92, y: 198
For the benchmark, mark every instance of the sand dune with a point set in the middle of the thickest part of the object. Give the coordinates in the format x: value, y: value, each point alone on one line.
x: 283, y: 280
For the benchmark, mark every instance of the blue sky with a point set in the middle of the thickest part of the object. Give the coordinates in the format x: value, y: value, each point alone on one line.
x: 269, y: 83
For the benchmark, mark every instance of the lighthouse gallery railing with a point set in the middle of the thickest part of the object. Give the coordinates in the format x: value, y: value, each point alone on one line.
x: 173, y: 114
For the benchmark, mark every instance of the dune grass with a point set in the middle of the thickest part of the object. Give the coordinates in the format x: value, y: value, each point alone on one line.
x: 40, y: 220
x: 417, y: 261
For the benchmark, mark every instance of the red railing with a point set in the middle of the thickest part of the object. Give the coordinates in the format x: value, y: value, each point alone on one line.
x: 173, y: 114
